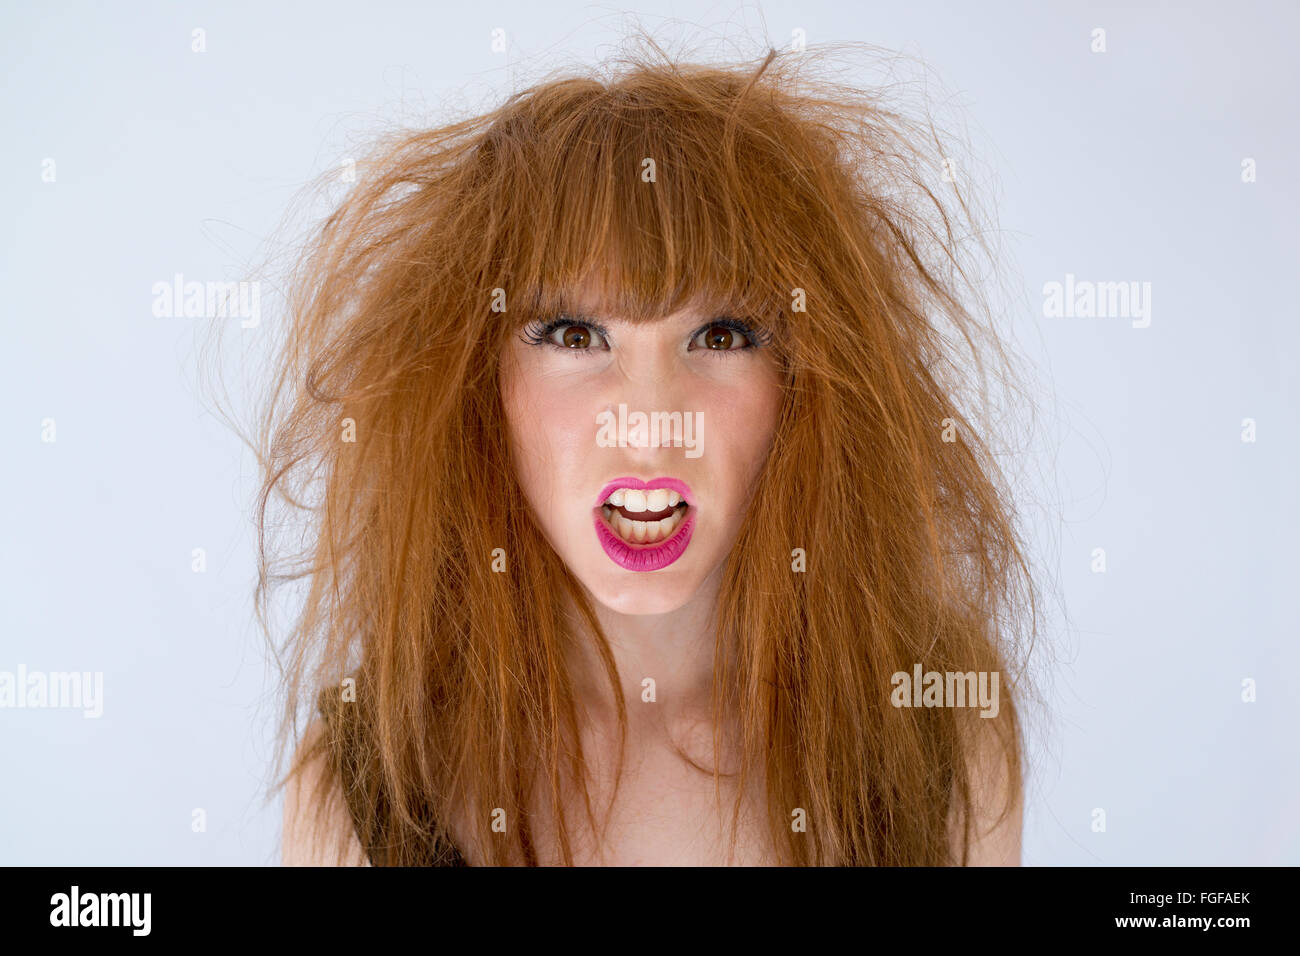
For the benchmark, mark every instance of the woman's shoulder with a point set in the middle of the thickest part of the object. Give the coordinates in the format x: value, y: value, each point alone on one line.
x: 997, y: 802
x: 318, y: 826
x: 337, y: 807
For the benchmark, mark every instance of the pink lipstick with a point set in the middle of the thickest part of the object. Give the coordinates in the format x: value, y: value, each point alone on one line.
x: 623, y: 502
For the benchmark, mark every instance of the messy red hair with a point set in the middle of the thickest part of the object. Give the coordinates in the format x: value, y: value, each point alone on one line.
x: 810, y: 207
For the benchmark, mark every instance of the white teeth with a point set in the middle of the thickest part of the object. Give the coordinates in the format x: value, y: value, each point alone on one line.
x: 643, y: 532
x: 635, y: 499
x: 642, y: 501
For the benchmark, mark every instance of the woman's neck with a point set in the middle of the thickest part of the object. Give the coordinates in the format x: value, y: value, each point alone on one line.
x: 675, y: 650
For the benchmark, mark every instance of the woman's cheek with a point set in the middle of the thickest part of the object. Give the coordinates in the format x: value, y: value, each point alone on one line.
x: 553, y: 432
x: 744, y: 420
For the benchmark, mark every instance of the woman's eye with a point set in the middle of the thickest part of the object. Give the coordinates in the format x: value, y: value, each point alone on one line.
x: 721, y: 338
x: 575, y: 337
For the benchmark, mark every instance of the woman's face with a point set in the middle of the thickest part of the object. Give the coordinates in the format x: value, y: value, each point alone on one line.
x: 636, y: 446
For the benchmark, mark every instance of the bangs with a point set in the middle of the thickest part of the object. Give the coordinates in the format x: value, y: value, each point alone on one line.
x: 624, y: 202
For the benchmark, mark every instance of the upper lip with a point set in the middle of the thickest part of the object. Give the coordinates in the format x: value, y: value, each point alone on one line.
x: 671, y: 484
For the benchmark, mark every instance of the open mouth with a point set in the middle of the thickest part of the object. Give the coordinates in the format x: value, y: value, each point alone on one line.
x: 644, y: 526
x: 644, y: 517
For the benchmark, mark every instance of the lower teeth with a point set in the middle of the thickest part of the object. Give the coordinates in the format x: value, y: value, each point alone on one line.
x: 642, y: 532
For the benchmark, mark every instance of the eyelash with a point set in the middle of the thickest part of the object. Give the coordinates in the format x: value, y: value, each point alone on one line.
x: 539, y: 333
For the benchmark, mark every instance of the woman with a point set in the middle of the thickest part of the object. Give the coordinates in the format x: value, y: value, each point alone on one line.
x: 627, y: 418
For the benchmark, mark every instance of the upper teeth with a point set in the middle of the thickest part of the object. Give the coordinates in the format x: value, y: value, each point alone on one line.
x: 633, y: 499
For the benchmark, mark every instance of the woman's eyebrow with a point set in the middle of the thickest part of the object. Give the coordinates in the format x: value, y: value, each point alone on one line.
x: 581, y: 315
x: 688, y: 318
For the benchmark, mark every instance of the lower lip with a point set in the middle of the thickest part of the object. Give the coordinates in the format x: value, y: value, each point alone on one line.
x: 645, y: 557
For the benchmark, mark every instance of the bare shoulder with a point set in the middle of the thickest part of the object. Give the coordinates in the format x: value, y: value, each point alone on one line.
x: 311, y: 837
x: 997, y: 809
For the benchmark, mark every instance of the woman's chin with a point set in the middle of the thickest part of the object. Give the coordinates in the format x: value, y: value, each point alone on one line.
x: 658, y: 592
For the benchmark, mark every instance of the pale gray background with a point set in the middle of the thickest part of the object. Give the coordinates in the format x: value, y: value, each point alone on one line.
x: 1119, y: 166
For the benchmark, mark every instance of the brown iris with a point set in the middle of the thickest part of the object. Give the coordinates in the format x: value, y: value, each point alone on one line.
x: 576, y: 337
x: 718, y: 337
